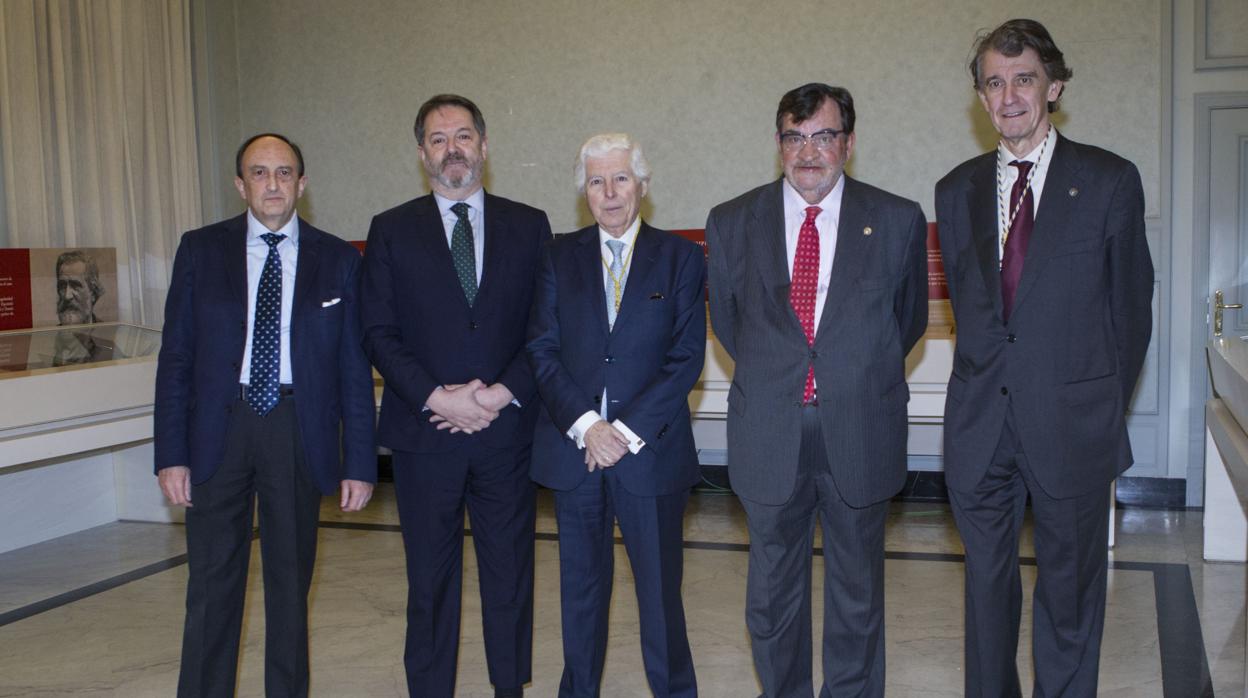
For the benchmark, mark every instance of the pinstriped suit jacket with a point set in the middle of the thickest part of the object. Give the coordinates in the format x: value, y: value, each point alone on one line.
x: 875, y: 312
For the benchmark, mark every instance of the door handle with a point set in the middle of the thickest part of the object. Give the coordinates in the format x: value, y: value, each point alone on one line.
x: 1218, y: 307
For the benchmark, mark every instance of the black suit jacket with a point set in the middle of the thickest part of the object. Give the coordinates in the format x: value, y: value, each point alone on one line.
x: 875, y: 312
x: 1068, y: 361
x: 420, y: 332
x: 648, y: 361
x: 202, y: 348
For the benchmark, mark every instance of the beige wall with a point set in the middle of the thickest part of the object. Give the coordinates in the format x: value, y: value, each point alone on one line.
x: 696, y: 81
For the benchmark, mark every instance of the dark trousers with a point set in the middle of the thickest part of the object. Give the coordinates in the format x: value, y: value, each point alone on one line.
x: 263, y: 460
x: 652, y: 528
x: 1071, y: 540
x: 777, y: 600
x: 432, y: 491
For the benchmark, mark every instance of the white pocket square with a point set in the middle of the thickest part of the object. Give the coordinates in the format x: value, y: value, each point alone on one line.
x: 332, y: 301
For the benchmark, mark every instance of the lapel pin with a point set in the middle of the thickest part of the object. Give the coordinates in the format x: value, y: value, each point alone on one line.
x: 1074, y: 191
x: 867, y: 230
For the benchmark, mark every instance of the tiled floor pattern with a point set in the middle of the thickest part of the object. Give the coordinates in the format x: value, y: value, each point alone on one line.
x: 125, y: 639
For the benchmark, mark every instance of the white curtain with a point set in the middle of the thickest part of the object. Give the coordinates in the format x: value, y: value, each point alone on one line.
x: 97, y: 135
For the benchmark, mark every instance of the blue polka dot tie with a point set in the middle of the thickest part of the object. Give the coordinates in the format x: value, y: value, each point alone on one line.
x: 462, y: 252
x: 266, y: 336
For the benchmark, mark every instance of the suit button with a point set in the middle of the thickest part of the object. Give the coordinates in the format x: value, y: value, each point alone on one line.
x: 1005, y: 390
x: 609, y: 359
x: 814, y: 354
x: 473, y: 325
x: 1011, y: 338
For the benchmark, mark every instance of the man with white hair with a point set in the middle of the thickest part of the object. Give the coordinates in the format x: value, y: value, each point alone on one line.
x: 617, y: 339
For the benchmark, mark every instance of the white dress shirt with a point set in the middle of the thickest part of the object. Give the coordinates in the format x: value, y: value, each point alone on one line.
x: 1040, y: 156
x: 589, y: 419
x: 257, y: 253
x: 476, y: 216
x: 827, y: 221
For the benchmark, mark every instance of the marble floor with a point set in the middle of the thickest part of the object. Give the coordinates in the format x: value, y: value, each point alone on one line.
x: 99, y: 613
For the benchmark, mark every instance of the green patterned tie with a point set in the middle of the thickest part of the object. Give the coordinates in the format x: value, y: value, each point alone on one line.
x: 463, y: 254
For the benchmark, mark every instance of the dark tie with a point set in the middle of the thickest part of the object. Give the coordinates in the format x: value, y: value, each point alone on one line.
x: 1019, y: 236
x: 266, y: 336
x: 805, y: 284
x: 463, y: 254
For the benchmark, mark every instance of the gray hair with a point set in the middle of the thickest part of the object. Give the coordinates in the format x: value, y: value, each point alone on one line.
x: 603, y: 143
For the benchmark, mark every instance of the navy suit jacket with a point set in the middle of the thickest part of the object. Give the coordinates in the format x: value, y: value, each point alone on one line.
x: 202, y: 350
x: 420, y: 332
x: 1067, y: 362
x: 648, y: 362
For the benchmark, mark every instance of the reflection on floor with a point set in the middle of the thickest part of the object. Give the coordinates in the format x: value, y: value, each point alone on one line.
x: 99, y: 613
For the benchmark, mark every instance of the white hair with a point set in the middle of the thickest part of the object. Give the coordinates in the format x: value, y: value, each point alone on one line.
x: 603, y: 143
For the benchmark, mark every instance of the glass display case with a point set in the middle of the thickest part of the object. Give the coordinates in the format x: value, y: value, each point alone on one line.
x: 26, y: 351
x: 76, y: 388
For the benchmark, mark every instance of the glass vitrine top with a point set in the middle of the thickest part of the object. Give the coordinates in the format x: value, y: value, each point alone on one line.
x: 77, y: 345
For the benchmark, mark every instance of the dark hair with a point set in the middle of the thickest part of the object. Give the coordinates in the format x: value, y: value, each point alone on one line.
x: 238, y: 157
x: 93, y: 271
x: 447, y: 100
x: 1014, y: 37
x: 801, y: 103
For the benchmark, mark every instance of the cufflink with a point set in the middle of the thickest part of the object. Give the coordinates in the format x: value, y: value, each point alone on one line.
x: 1074, y: 191
x: 867, y: 230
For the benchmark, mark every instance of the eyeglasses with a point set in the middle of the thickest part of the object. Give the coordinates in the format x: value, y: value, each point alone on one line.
x: 793, y: 141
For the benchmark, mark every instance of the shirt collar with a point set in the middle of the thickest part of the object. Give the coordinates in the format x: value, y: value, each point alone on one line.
x: 255, y: 229
x: 628, y: 238
x: 475, y: 201
x: 795, y: 205
x: 1040, y: 155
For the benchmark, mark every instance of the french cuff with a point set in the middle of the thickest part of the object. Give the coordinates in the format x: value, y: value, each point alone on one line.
x: 635, y: 443
x: 582, y: 425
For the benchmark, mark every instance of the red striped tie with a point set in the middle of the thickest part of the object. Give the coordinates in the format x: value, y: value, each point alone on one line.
x: 805, y: 284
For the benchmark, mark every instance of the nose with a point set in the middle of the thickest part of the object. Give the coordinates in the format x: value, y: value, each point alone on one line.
x: 807, y: 145
x: 270, y: 182
x: 608, y: 189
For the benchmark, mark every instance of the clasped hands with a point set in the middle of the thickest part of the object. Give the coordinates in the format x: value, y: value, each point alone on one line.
x: 467, y: 407
x: 604, y: 445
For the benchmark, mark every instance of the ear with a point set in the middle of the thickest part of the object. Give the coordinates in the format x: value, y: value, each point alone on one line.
x: 303, y: 182
x: 983, y: 99
x: 645, y: 187
x: 1055, y: 91
x: 850, y: 140
x: 485, y: 147
x: 241, y: 187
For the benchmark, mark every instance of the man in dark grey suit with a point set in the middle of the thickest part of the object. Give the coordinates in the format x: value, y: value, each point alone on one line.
x: 818, y: 292
x: 1051, y: 283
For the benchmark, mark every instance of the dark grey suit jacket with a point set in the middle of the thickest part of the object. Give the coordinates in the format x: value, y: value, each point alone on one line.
x: 875, y: 312
x: 1068, y: 361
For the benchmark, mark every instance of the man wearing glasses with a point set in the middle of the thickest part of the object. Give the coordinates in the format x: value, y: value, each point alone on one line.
x: 818, y: 290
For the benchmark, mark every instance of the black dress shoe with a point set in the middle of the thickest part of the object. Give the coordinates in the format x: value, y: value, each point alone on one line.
x: 509, y: 692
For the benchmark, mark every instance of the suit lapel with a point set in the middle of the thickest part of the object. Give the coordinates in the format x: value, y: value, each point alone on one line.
x: 1056, y: 206
x: 589, y: 265
x: 982, y: 206
x: 495, y: 237
x: 851, y: 245
x: 645, y: 250
x: 305, y: 271
x: 766, y: 244
x: 235, y: 262
x: 428, y: 229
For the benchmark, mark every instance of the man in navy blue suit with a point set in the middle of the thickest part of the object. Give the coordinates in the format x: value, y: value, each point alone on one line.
x: 617, y: 340
x: 448, y: 281
x: 262, y: 390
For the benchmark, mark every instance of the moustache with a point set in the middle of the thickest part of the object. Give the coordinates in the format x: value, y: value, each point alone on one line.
x: 453, y: 158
